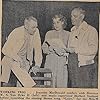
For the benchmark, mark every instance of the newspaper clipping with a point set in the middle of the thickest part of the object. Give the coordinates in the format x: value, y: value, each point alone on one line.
x: 49, y: 50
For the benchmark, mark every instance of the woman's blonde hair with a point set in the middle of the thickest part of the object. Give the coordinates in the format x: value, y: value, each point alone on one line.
x: 62, y: 19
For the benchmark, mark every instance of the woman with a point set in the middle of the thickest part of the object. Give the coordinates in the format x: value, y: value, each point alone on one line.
x: 54, y: 46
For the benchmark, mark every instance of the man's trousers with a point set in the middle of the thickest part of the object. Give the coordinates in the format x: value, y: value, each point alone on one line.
x: 83, y: 76
x: 22, y: 75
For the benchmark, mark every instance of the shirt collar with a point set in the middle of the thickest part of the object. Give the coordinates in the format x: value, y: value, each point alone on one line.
x: 83, y: 26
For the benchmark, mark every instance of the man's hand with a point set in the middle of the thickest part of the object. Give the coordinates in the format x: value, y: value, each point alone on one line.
x: 51, y: 48
x: 18, y: 59
x: 59, y: 51
x: 70, y: 50
x: 65, y: 54
x: 30, y: 63
x: 22, y: 63
x: 35, y: 69
x: 19, y: 62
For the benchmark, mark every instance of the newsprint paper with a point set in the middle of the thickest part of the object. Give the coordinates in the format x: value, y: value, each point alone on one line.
x: 49, y: 50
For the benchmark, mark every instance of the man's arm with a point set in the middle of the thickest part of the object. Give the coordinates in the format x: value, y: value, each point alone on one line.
x: 37, y: 49
x: 92, y: 47
x: 11, y: 46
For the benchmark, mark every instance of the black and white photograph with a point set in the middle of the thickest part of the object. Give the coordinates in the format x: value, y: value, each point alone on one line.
x: 49, y: 44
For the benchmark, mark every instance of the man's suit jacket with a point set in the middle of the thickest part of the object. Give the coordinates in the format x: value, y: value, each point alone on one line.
x: 16, y: 40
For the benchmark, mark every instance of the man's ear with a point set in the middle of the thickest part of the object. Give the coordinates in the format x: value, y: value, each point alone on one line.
x: 26, y: 24
x: 82, y: 16
x: 62, y: 23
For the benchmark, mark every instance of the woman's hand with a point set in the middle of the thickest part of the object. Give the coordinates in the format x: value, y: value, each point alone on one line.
x: 45, y: 49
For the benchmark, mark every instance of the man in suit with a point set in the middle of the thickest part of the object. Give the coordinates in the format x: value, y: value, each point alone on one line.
x: 83, y: 46
x: 18, y: 51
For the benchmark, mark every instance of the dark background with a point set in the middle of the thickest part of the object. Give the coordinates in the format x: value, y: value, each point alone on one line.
x: 14, y: 13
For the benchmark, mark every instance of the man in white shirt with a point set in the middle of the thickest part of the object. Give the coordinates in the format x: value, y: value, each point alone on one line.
x: 18, y: 51
x: 83, y: 46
